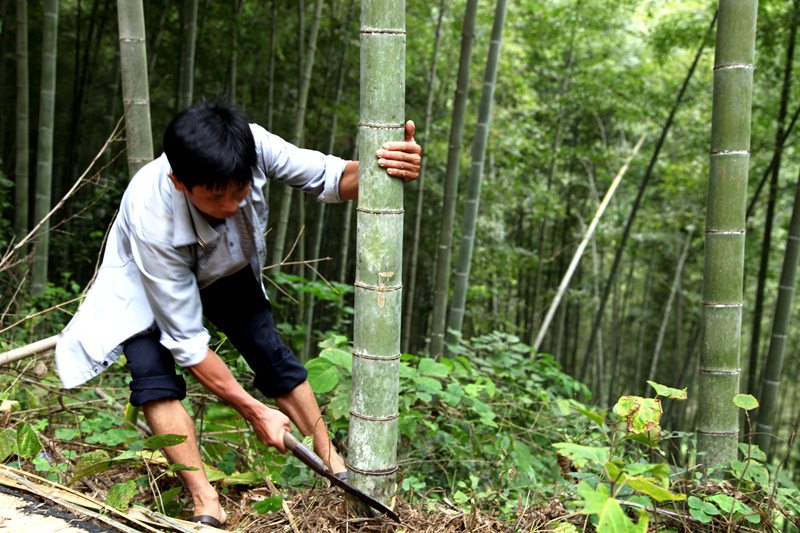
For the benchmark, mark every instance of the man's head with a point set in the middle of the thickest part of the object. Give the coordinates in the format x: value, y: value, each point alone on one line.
x: 211, y: 145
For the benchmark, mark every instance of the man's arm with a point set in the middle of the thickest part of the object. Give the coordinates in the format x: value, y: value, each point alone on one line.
x: 269, y: 424
x: 400, y: 159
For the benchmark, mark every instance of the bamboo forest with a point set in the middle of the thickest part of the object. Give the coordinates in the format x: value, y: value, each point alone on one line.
x: 542, y: 279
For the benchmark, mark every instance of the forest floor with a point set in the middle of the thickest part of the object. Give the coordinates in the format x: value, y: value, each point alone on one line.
x: 29, y: 503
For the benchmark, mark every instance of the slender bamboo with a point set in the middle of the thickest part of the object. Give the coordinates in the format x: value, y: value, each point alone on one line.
x: 320, y: 218
x: 773, y: 364
x: 23, y: 120
x: 597, y: 323
x: 372, y: 460
x: 717, y: 416
x: 442, y: 265
x: 186, y: 88
x: 279, y: 244
x: 562, y: 288
x: 676, y: 281
x: 769, y: 214
x: 44, y: 155
x: 411, y: 266
x: 470, y: 220
x: 135, y: 91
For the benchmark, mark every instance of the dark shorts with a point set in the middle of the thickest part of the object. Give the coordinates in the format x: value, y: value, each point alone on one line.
x: 236, y: 305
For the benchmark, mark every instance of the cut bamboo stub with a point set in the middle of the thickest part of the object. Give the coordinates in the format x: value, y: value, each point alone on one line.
x: 28, y: 350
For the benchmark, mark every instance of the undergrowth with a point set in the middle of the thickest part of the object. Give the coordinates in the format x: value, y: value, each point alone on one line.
x: 497, y: 427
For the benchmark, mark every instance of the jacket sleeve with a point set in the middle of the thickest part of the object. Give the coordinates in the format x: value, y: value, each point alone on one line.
x: 308, y: 170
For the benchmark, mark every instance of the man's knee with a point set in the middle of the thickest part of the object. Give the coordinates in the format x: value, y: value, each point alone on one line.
x: 155, y: 388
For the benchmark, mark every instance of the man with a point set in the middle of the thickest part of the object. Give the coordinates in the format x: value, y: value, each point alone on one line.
x: 188, y: 242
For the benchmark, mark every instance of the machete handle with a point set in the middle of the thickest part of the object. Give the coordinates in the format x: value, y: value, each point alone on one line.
x: 302, y: 452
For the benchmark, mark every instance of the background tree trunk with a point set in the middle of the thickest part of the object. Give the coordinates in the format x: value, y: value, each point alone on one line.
x: 186, y: 88
x: 44, y: 153
x: 470, y: 220
x: 443, y: 251
x: 135, y: 90
x: 773, y: 365
x: 279, y: 243
x: 769, y: 215
x: 414, y: 258
x: 21, y: 181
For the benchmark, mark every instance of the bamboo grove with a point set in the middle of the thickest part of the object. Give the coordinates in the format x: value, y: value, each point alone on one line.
x: 550, y: 120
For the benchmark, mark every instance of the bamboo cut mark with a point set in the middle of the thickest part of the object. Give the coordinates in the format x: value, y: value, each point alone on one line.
x: 382, y: 277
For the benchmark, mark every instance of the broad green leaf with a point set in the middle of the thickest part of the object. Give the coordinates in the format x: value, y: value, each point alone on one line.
x: 156, y: 442
x: 428, y: 384
x: 112, y: 436
x: 270, y: 504
x: 244, y: 478
x: 90, y: 463
x: 659, y: 471
x: 611, y: 517
x: 745, y: 401
x: 339, y: 407
x: 322, y: 375
x: 668, y: 392
x: 724, y: 502
x: 641, y: 414
x: 8, y: 443
x: 594, y: 417
x: 181, y: 468
x: 120, y: 495
x: 28, y: 445
x: 66, y: 433
x: 700, y: 515
x: 339, y: 357
x: 582, y: 455
x: 429, y: 367
x: 169, y: 503
x: 213, y: 473
x: 654, y: 490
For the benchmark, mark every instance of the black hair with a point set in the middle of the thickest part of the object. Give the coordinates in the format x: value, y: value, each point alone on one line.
x: 210, y: 144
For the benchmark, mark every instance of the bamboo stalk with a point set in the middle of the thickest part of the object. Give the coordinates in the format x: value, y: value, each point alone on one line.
x: 582, y: 246
x: 34, y: 348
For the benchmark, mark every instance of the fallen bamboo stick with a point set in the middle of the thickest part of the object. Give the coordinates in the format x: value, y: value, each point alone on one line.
x: 34, y: 348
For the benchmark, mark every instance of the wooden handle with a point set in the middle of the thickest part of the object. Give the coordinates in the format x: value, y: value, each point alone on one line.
x: 302, y: 452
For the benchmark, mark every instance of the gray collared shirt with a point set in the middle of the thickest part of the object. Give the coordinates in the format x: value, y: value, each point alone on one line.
x: 161, y: 251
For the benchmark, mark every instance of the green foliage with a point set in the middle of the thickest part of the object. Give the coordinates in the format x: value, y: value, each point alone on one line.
x: 120, y: 495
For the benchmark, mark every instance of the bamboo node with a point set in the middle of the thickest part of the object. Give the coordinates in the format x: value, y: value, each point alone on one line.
x: 380, y: 211
x: 370, y: 357
x: 385, y: 472
x: 368, y: 418
x: 732, y: 66
x: 720, y: 371
x: 383, y: 126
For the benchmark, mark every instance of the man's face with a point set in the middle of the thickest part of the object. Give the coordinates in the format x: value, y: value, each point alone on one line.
x: 214, y: 204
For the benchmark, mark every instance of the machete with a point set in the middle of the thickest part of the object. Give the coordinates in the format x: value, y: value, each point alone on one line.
x: 312, y: 460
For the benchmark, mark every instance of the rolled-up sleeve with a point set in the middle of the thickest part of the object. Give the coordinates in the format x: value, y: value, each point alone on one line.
x: 308, y: 170
x: 171, y: 290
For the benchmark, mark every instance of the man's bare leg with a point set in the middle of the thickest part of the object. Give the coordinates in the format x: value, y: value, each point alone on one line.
x: 170, y: 417
x: 301, y: 406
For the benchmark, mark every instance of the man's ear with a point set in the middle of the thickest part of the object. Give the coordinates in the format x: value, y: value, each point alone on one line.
x: 177, y: 183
